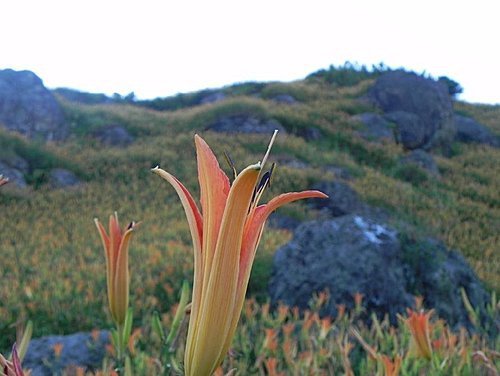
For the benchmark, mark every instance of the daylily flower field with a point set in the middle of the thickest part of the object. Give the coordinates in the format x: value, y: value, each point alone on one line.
x: 176, y: 300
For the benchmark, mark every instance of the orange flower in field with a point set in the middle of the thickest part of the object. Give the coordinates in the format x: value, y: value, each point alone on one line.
x: 340, y: 311
x: 326, y: 325
x: 271, y: 366
x: 288, y: 328
x: 116, y: 249
x: 391, y: 368
x: 418, y: 323
x: 358, y: 299
x: 270, y: 342
x: 225, y: 238
x: 58, y: 347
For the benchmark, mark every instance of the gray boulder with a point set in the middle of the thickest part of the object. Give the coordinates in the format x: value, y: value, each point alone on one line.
x: 245, y: 123
x: 284, y: 99
x: 409, y: 131
x: 15, y: 168
x: 354, y: 253
x: 421, y: 159
x: 79, y: 349
x: 285, y: 160
x: 425, y: 98
x: 309, y: 133
x: 470, y: 131
x: 214, y: 97
x: 113, y: 135
x: 342, y: 199
x: 282, y: 222
x: 62, y: 178
x: 29, y: 108
x: 345, y: 255
x: 339, y: 172
x: 376, y: 127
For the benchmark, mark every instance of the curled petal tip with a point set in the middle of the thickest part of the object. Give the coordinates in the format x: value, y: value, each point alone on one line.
x: 322, y: 195
x: 156, y: 170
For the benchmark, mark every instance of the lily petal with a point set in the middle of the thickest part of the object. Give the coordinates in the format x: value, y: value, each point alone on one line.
x: 256, y: 222
x: 214, y: 189
x: 106, y: 244
x: 253, y: 232
x: 215, y: 321
x: 195, y: 222
x: 121, y: 281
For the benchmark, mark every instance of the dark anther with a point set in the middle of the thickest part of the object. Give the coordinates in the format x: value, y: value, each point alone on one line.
x: 231, y: 164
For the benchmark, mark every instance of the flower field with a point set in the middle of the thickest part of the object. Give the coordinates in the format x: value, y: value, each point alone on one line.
x: 53, y: 268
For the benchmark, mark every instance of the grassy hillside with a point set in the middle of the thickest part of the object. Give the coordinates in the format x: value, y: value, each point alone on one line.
x: 53, y: 268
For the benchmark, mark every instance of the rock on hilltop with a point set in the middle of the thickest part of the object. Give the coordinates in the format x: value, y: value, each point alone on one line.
x: 28, y: 107
x: 420, y: 107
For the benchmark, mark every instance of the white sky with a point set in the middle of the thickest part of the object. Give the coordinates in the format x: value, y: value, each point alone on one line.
x: 159, y: 48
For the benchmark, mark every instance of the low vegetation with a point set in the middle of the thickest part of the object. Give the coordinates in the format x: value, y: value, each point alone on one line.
x: 53, y: 268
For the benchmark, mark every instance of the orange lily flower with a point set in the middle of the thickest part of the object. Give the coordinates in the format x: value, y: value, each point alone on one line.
x: 225, y: 240
x: 391, y: 367
x: 116, y: 249
x: 418, y: 323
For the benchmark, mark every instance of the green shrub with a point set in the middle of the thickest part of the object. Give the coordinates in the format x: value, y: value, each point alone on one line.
x: 349, y: 74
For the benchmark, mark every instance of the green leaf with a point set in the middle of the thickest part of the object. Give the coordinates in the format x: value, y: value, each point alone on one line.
x: 157, y: 326
x: 127, y: 327
x: 22, y: 347
x: 181, y: 311
x: 128, y: 366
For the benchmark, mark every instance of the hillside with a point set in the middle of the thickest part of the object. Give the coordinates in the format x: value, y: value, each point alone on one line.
x: 51, y: 252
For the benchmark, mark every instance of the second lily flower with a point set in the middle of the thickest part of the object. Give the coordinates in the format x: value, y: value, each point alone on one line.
x: 225, y: 239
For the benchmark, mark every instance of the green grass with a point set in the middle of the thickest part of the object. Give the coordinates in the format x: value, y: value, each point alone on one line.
x: 52, y: 262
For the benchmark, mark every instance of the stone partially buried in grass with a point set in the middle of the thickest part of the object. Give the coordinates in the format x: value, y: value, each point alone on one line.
x: 376, y: 127
x: 470, y: 131
x: 84, y: 350
x: 421, y: 159
x: 356, y: 254
x: 342, y: 199
x: 113, y: 135
x: 245, y: 123
x: 62, y: 178
x: 14, y: 168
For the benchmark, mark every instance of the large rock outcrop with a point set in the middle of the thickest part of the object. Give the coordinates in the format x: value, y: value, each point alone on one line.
x: 420, y: 107
x: 355, y: 254
x: 29, y: 108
